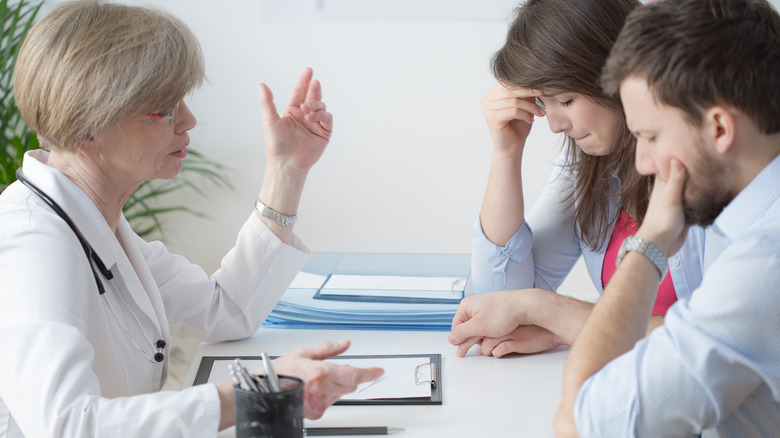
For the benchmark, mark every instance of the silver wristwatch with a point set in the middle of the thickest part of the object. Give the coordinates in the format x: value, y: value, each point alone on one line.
x: 270, y: 213
x: 633, y: 243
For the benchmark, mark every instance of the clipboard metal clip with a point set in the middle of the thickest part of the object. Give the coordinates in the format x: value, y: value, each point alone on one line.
x: 421, y: 376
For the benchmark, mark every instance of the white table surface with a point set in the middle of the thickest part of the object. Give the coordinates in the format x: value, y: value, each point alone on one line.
x: 482, y: 396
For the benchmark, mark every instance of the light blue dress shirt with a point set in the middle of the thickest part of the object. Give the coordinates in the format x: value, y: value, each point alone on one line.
x: 543, y: 257
x: 714, y: 367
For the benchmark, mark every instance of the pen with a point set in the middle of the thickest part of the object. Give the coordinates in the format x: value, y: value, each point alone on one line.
x: 270, y: 374
x: 260, y: 384
x: 242, y: 381
x: 336, y: 431
x: 233, y: 376
x: 245, y: 376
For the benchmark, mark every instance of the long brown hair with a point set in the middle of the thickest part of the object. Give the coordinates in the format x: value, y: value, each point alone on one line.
x: 562, y: 45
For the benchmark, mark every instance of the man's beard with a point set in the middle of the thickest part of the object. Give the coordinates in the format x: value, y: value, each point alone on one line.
x: 705, y: 195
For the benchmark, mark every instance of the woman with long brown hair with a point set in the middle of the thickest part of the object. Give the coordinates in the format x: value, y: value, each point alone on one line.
x: 550, y: 67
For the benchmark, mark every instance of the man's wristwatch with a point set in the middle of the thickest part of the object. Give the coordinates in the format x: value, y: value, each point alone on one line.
x: 270, y: 213
x: 633, y: 243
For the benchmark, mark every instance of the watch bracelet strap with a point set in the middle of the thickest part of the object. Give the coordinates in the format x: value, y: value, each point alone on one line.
x: 649, y: 250
x: 269, y: 213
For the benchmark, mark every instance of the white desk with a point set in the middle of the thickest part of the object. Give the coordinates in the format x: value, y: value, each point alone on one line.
x: 482, y: 396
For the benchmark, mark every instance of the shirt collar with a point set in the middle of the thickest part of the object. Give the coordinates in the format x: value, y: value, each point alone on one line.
x: 751, y: 203
x: 82, y: 211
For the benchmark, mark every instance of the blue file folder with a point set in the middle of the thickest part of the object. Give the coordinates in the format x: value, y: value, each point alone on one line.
x: 307, y: 307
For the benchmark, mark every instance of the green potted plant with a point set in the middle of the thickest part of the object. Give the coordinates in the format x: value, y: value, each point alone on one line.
x: 16, y: 138
x: 146, y: 208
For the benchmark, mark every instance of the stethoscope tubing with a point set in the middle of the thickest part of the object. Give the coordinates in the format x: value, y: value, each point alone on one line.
x: 92, y: 256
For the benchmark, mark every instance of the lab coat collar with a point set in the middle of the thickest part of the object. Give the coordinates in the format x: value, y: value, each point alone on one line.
x: 74, y: 202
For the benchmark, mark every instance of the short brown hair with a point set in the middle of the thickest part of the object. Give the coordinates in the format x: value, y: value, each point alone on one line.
x: 698, y: 53
x: 562, y: 45
x: 87, y: 63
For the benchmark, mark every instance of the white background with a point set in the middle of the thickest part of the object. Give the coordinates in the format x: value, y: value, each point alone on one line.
x: 407, y: 165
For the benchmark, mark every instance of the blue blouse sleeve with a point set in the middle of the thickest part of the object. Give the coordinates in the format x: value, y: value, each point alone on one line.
x: 499, y: 268
x: 540, y: 254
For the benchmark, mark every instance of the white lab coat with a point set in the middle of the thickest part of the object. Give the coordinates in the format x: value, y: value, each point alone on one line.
x: 67, y: 369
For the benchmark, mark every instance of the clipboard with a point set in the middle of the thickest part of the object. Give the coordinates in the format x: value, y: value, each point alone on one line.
x: 426, y: 372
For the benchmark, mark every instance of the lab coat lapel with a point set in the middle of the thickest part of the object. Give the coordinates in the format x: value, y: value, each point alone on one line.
x: 142, y: 291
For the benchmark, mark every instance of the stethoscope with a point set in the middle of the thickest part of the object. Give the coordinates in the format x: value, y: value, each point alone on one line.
x: 94, y: 260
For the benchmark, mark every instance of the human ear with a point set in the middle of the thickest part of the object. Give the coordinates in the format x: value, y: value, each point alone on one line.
x: 88, y: 147
x: 720, y: 127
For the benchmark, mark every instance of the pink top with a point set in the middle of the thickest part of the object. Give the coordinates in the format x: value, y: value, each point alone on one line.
x: 627, y: 227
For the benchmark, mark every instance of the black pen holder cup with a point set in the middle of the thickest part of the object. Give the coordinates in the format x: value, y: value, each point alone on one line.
x: 271, y: 415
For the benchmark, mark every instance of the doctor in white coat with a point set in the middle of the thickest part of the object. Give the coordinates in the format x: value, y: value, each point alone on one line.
x: 87, y: 308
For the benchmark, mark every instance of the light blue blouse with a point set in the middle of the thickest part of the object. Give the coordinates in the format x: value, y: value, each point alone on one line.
x: 545, y: 248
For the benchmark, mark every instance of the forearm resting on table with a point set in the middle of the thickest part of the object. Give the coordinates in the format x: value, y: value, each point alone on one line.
x: 565, y: 316
x: 562, y: 315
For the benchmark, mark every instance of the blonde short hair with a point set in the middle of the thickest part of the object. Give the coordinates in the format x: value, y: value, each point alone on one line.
x: 88, y: 63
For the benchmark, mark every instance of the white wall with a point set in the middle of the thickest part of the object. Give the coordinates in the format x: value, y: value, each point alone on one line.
x: 407, y: 165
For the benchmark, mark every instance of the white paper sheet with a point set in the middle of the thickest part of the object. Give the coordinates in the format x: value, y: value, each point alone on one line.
x: 390, y: 293
x: 394, y: 282
x: 398, y: 381
x: 307, y: 280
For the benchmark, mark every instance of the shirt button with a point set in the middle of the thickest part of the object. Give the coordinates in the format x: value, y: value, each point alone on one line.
x: 675, y: 262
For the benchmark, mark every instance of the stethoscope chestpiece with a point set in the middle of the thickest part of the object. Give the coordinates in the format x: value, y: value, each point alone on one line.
x: 159, y: 356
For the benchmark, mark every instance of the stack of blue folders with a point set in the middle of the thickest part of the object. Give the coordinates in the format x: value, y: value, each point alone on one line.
x: 374, y: 291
